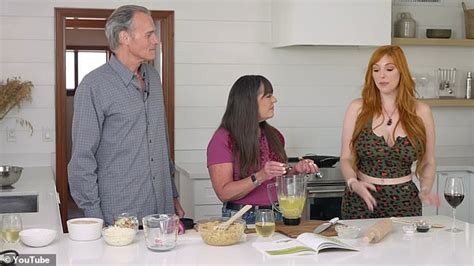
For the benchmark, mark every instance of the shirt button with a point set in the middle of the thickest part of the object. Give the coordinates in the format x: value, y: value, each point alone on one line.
x: 153, y: 178
x: 150, y: 140
x: 152, y: 159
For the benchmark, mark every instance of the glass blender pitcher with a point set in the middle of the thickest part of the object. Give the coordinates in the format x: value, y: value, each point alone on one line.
x: 291, y: 193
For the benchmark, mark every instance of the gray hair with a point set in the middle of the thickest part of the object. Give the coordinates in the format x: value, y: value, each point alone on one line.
x: 121, y: 20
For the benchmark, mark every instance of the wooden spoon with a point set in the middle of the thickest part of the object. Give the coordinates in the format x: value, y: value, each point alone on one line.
x: 226, y: 224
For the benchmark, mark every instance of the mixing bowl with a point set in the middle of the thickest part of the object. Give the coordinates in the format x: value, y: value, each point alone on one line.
x: 216, y: 237
x: 9, y: 174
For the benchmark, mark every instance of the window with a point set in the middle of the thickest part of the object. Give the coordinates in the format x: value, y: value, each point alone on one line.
x: 81, y: 62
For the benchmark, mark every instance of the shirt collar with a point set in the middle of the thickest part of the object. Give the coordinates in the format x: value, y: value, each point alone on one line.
x: 123, y: 72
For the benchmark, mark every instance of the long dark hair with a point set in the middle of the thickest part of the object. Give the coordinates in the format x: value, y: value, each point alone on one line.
x: 241, y: 120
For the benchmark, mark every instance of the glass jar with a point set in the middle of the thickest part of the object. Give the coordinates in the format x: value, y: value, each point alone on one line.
x: 405, y: 27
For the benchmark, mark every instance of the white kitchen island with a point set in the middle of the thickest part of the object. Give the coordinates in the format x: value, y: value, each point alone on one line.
x: 436, y: 247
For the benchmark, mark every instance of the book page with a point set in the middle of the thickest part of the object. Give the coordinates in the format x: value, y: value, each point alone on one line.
x: 284, y: 247
x: 320, y: 242
x: 304, y: 244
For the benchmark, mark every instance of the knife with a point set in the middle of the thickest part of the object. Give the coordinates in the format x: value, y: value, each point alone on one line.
x: 322, y: 227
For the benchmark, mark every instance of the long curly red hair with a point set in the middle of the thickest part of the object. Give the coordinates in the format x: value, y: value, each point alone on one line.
x: 405, y: 101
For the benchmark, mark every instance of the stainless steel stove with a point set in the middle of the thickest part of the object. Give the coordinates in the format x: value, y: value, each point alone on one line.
x: 324, y: 195
x: 324, y: 191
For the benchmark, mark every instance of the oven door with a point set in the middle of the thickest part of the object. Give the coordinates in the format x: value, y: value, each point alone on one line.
x: 324, y: 201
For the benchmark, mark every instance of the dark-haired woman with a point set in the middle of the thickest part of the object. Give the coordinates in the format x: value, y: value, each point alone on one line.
x: 246, y: 153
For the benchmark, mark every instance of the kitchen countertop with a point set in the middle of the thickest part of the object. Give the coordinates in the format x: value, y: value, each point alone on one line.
x: 38, y: 180
x: 434, y: 247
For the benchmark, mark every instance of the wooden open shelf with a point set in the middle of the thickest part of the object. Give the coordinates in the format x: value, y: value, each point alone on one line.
x: 433, y: 42
x: 444, y: 102
x: 449, y: 102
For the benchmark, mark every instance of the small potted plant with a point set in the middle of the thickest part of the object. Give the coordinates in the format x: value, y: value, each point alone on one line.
x: 13, y: 93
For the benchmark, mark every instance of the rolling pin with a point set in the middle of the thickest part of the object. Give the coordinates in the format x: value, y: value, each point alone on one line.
x: 378, y: 231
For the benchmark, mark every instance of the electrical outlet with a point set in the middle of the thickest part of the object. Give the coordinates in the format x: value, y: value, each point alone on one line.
x: 11, y: 135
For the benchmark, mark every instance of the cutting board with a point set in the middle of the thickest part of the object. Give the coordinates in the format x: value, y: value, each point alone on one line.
x: 304, y: 227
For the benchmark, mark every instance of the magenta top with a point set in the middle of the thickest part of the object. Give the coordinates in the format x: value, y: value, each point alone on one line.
x: 219, y: 151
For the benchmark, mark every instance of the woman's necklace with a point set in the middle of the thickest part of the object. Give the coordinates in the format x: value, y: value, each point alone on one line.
x: 389, y: 122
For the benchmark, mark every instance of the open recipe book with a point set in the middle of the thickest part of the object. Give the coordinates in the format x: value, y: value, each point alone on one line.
x: 304, y: 244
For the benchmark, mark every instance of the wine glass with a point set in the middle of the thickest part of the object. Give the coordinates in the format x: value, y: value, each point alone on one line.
x: 454, y: 194
x: 11, y: 227
x: 264, y: 222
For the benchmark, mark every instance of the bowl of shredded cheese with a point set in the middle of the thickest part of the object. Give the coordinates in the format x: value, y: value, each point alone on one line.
x: 118, y: 236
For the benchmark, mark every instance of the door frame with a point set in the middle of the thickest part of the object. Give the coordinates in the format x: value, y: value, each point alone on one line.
x: 166, y: 18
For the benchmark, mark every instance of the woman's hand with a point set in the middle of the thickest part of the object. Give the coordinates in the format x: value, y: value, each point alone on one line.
x: 429, y: 198
x: 306, y: 166
x: 362, y: 189
x: 270, y: 170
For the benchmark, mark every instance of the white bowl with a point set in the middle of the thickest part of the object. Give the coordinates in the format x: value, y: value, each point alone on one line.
x: 84, y: 229
x: 38, y: 237
x: 118, y: 236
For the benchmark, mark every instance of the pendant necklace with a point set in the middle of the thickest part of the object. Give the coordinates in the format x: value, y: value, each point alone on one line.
x: 389, y: 122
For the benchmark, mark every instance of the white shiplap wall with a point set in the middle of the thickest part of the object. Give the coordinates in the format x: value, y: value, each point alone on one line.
x: 216, y: 42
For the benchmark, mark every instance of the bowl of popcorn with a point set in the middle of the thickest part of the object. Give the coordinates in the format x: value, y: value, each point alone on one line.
x: 118, y: 236
x: 214, y: 236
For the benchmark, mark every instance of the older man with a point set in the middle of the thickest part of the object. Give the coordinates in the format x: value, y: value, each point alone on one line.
x: 120, y: 156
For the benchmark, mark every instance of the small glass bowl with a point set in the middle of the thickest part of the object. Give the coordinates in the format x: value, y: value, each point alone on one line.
x: 126, y: 220
x: 409, y: 229
x: 422, y: 226
x: 347, y: 231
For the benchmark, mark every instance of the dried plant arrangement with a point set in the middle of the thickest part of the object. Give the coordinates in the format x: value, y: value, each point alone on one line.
x: 12, y: 94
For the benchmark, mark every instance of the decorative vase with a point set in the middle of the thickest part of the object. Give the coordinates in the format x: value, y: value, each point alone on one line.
x: 405, y: 27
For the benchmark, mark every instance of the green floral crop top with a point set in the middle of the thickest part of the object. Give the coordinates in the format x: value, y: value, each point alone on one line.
x: 378, y: 159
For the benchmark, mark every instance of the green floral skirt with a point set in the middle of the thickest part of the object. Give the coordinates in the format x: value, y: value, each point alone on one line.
x: 392, y: 201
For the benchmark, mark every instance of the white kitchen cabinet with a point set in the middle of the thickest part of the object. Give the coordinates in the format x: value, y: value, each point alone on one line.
x: 197, y: 195
x: 464, y: 211
x: 336, y: 22
x: 427, y: 210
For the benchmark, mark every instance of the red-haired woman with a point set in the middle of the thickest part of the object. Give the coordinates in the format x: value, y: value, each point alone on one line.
x: 384, y: 133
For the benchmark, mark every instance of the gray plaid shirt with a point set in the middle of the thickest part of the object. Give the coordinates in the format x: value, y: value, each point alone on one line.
x: 120, y: 157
